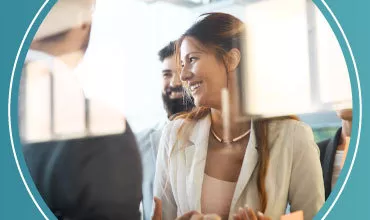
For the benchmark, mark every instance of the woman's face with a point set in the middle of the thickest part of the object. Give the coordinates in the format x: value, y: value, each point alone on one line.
x: 203, y: 74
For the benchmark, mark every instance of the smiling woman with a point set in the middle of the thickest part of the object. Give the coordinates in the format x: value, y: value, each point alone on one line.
x: 260, y: 155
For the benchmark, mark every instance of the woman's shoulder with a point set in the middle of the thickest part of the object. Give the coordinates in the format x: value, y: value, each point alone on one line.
x: 289, y: 125
x: 174, y: 125
x: 179, y: 123
x: 175, y: 128
x: 295, y: 133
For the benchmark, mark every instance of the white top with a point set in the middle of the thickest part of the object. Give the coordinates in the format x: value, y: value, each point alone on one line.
x: 337, y: 167
x: 294, y: 173
x: 216, y: 196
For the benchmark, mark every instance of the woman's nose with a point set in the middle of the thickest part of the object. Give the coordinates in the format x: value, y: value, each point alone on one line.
x: 185, y: 74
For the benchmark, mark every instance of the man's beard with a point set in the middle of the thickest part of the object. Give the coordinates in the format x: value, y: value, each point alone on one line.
x: 174, y: 106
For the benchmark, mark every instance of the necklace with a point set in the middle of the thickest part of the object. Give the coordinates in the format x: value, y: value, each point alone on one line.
x: 233, y: 140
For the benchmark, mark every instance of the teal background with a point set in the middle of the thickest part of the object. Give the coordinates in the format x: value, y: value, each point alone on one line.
x: 15, y: 17
x: 354, y: 201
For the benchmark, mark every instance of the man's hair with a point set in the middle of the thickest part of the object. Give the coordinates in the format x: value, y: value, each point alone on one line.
x: 167, y: 51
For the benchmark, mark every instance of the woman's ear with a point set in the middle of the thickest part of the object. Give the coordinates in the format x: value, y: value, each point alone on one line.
x: 233, y: 58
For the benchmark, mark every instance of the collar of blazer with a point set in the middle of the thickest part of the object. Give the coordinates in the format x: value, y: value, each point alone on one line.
x: 195, y: 160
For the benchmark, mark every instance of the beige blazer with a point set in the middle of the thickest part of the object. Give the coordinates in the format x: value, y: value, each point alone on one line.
x: 294, y: 174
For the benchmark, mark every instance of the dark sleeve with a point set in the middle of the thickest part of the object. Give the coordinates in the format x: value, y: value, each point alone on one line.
x: 328, y: 148
x: 322, y: 147
x: 105, y: 179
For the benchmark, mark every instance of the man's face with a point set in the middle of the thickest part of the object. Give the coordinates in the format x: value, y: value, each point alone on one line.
x: 172, y: 86
x: 172, y: 90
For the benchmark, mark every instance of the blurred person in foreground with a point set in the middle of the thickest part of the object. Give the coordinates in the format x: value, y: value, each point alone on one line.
x: 94, y: 177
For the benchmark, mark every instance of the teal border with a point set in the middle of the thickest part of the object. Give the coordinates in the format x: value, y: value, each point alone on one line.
x: 13, y: 109
x: 352, y: 202
x: 357, y: 108
x: 354, y: 197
